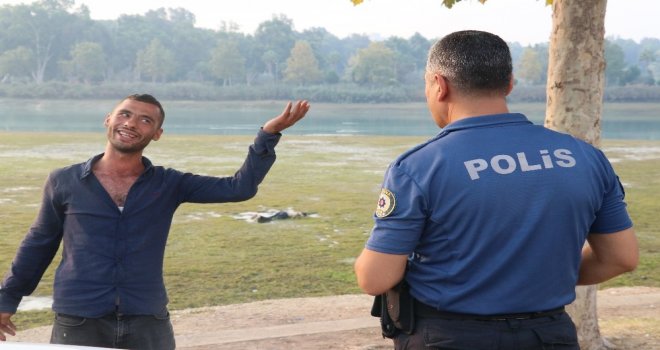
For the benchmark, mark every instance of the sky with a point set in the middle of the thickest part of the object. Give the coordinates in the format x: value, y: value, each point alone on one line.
x: 524, y: 21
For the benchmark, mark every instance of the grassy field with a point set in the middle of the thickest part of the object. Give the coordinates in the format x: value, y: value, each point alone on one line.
x: 213, y: 258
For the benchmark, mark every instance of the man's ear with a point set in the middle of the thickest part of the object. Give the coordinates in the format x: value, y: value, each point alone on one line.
x: 106, y: 120
x: 510, y: 87
x: 157, y: 134
x: 441, y: 86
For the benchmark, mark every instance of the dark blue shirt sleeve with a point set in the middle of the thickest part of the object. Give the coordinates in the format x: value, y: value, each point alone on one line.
x: 612, y: 216
x: 36, y: 252
x: 245, y: 182
x: 399, y: 231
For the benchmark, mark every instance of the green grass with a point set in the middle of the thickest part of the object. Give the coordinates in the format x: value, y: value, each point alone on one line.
x: 214, y: 259
x: 638, y: 167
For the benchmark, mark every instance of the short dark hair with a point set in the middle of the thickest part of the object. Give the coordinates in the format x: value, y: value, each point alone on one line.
x: 146, y: 98
x: 472, y: 61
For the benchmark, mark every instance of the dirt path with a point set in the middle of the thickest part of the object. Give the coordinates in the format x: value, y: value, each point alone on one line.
x: 629, y: 319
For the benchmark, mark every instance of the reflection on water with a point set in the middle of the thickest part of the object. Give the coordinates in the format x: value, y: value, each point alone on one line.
x: 620, y: 121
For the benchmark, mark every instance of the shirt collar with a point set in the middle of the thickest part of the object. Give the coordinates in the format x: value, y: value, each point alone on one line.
x: 87, y: 166
x: 486, y: 121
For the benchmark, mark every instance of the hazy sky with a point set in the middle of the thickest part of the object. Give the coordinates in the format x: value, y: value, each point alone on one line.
x: 523, y: 21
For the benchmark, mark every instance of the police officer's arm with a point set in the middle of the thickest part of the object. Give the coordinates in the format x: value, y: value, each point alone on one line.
x: 608, y: 255
x: 378, y: 272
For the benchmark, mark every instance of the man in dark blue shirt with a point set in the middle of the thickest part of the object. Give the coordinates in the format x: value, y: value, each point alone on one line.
x: 113, y: 214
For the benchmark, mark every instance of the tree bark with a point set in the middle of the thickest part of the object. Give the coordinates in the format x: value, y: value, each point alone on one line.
x: 576, y: 74
x: 576, y: 68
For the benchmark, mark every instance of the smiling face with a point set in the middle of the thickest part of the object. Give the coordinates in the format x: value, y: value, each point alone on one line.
x: 132, y: 125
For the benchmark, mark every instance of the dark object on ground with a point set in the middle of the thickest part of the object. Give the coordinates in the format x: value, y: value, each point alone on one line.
x: 280, y: 215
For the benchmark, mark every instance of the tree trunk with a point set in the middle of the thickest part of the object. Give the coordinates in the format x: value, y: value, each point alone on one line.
x: 583, y: 312
x: 576, y: 74
x: 576, y: 68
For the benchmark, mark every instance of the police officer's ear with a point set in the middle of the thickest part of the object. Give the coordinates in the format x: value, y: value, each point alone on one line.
x: 442, y: 86
x: 510, y: 87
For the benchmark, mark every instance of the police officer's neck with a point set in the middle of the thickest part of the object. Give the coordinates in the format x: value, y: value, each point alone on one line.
x: 462, y: 107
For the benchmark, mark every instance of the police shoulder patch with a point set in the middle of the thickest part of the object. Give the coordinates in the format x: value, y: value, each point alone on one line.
x: 386, y: 203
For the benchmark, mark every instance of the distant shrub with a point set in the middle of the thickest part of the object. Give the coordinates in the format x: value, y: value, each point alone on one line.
x: 330, y: 93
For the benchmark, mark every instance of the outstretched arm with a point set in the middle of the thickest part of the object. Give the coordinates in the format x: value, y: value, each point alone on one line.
x: 291, y: 115
x: 6, y: 326
x: 243, y: 185
x: 607, y: 256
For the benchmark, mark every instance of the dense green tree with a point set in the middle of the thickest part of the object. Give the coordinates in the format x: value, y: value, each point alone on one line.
x: 174, y: 28
x: 46, y: 27
x: 227, y: 63
x: 326, y: 49
x: 419, y: 48
x: 615, y: 63
x: 253, y: 63
x: 351, y: 44
x: 648, y: 58
x: 516, y: 51
x: 630, y: 75
x: 87, y: 62
x: 130, y: 34
x: 631, y: 49
x: 301, y: 66
x: 375, y: 64
x: 530, y: 68
x: 404, y: 61
x: 334, y: 67
x: 271, y: 60
x: 156, y: 62
x: 275, y: 38
x: 190, y: 45
x: 654, y: 71
x: 16, y: 63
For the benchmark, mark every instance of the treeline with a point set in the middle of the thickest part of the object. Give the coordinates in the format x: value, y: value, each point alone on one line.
x: 53, y: 49
x: 334, y: 93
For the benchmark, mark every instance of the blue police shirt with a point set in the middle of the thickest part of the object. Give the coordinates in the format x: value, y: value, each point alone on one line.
x: 112, y: 259
x: 494, y: 212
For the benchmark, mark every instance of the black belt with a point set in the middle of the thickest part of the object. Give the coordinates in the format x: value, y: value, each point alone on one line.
x: 425, y: 311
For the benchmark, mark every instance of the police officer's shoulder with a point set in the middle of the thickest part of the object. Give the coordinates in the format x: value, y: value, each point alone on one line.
x: 417, y: 149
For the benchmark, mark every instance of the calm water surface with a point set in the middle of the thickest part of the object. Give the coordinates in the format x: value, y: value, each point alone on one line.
x: 620, y: 120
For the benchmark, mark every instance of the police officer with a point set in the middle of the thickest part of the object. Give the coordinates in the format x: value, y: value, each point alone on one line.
x: 486, y: 222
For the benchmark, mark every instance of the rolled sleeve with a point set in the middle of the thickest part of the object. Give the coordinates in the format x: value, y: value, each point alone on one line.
x: 8, y: 302
x: 264, y: 143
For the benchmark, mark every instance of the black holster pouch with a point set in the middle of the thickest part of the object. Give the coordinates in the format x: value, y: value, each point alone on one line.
x: 396, y: 309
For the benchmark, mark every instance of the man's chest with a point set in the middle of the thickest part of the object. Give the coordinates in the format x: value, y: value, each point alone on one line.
x: 117, y: 187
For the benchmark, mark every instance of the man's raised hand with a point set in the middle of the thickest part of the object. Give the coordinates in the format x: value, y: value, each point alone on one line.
x: 291, y: 115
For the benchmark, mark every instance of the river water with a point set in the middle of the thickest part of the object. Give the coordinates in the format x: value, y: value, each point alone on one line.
x: 620, y: 121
